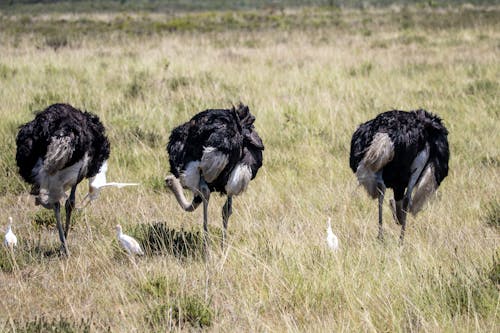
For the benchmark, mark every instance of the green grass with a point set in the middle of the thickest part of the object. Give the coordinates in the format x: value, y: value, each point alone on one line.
x: 310, y: 75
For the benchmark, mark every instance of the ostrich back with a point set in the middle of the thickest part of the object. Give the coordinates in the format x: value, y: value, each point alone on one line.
x: 409, y: 132
x: 83, y: 129
x: 230, y: 131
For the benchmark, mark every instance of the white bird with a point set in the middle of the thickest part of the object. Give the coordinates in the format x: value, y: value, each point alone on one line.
x: 331, y: 238
x: 129, y: 243
x: 10, y: 239
x: 99, y: 181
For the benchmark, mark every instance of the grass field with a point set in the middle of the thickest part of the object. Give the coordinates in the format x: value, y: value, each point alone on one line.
x: 310, y: 75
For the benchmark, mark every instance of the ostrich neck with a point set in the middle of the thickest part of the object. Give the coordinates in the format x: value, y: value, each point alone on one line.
x: 181, y: 199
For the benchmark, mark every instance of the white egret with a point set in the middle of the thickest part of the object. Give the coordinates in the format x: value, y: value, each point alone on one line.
x: 331, y: 238
x: 130, y: 244
x: 10, y: 240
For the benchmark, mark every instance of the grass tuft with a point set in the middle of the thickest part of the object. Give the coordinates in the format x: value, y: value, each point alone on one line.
x: 491, y: 215
x: 159, y: 238
x: 483, y: 87
x: 465, y: 292
x: 53, y: 325
x: 189, y: 310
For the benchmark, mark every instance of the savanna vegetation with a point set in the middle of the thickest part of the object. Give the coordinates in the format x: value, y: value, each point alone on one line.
x: 310, y: 74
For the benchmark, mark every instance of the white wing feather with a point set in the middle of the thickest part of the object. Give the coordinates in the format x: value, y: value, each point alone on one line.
x: 100, y: 179
x: 119, y: 185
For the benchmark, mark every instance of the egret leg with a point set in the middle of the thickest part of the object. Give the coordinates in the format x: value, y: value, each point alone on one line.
x: 57, y: 211
x: 227, y: 210
x: 381, y: 192
x: 205, y: 194
x: 69, y: 205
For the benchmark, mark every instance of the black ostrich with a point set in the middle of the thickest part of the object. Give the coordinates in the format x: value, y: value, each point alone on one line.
x: 216, y: 151
x: 403, y: 151
x: 55, y: 151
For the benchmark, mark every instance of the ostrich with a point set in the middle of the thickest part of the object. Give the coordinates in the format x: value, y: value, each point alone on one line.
x: 55, y: 152
x: 218, y: 150
x: 403, y: 151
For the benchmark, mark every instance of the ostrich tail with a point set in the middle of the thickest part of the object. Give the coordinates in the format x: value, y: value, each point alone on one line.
x: 426, y: 186
x: 380, y: 152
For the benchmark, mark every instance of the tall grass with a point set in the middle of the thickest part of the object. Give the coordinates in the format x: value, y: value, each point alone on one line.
x: 309, y: 89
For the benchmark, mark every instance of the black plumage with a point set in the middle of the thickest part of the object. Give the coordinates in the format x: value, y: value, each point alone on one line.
x: 218, y: 150
x: 58, y: 149
x: 405, y: 151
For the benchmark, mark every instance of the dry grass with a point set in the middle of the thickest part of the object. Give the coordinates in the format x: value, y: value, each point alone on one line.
x: 309, y: 90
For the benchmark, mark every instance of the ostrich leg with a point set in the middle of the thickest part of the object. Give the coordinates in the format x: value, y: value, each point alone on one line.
x: 69, y: 205
x: 227, y: 210
x: 417, y: 167
x: 396, y: 209
x: 57, y: 211
x: 205, y: 194
x: 381, y: 192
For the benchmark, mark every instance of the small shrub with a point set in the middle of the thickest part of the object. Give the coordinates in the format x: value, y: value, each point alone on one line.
x: 468, y: 292
x: 25, y: 254
x: 408, y: 39
x: 193, y: 310
x: 157, y: 287
x: 54, y: 325
x: 363, y: 70
x: 150, y: 137
x: 494, y: 273
x: 492, y: 214
x: 6, y: 72
x: 57, y: 41
x: 178, y: 82
x: 44, y: 218
x: 138, y: 85
x: 10, y: 181
x: 406, y: 20
x: 379, y: 44
x: 366, y: 32
x: 188, y: 310
x: 482, y: 86
x: 42, y: 100
x: 158, y: 238
x: 490, y: 161
x: 157, y: 184
x: 7, y: 263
